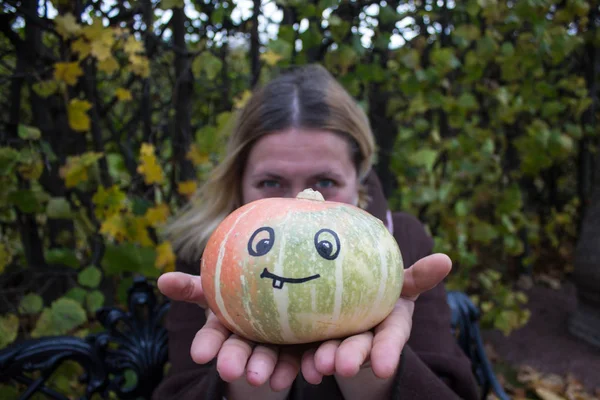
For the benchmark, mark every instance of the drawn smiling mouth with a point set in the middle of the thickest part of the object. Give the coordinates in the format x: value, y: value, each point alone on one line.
x: 278, y: 281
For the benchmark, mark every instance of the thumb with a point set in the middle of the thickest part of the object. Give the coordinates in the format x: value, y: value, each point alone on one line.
x: 425, y: 274
x: 179, y: 286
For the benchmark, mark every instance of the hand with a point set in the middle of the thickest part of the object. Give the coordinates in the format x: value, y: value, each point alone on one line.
x: 383, y: 346
x: 236, y: 356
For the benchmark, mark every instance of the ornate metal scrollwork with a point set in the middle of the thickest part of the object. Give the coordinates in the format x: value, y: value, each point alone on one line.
x: 133, y: 340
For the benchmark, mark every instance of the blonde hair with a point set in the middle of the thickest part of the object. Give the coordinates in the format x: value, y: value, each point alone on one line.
x: 306, y: 97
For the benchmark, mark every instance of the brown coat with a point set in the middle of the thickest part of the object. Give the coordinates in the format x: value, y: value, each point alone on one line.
x: 432, y: 364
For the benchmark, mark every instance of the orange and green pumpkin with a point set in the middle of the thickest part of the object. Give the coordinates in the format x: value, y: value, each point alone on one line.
x: 301, y: 270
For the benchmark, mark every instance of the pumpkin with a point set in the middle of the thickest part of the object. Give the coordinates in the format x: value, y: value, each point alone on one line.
x: 300, y: 270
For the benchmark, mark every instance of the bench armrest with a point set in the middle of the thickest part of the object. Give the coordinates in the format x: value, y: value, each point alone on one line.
x: 465, y: 325
x: 134, y: 340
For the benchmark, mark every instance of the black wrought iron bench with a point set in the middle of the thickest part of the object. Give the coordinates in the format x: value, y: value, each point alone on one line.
x: 135, y: 340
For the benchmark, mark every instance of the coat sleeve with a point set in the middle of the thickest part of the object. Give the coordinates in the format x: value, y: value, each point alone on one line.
x: 185, y: 379
x: 434, y: 366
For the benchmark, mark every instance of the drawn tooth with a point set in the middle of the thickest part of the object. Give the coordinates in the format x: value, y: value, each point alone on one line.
x: 278, y: 284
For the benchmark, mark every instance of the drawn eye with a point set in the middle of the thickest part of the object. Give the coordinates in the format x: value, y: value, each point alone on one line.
x: 261, y: 241
x: 327, y: 244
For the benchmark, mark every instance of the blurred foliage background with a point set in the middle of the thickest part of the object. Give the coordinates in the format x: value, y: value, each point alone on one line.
x: 113, y: 112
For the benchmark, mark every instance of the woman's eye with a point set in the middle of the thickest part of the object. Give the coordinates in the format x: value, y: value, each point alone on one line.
x: 325, y: 183
x: 269, y: 184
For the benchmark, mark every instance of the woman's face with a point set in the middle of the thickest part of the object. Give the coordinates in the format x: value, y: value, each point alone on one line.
x: 282, y: 164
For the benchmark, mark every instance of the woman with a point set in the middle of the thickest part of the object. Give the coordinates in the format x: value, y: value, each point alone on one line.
x: 304, y: 130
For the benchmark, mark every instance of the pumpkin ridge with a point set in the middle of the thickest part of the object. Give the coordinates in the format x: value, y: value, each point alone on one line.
x: 282, y: 296
x: 218, y: 268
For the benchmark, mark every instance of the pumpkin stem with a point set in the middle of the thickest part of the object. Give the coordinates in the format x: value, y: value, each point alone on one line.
x: 309, y: 194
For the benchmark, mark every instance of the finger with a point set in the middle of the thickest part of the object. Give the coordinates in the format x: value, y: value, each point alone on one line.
x: 233, y: 357
x: 309, y: 370
x: 286, y: 370
x: 261, y: 364
x: 390, y: 338
x: 352, y: 353
x: 425, y: 274
x: 208, y: 340
x: 182, y: 287
x: 325, y: 357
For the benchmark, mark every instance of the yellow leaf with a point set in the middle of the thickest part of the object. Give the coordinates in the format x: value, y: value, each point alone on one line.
x: 101, y: 39
x: 132, y: 46
x: 187, y: 188
x: 100, y: 50
x: 93, y: 31
x: 165, y: 258
x: 108, y: 65
x: 149, y: 167
x: 123, y: 94
x: 67, y: 72
x: 196, y: 156
x: 32, y: 170
x: 75, y: 170
x: 140, y: 66
x: 82, y: 47
x: 5, y: 257
x: 108, y: 201
x: 270, y: 57
x: 157, y: 215
x: 137, y: 230
x: 241, y: 100
x: 67, y: 25
x: 77, y: 111
x: 546, y: 394
x: 114, y: 227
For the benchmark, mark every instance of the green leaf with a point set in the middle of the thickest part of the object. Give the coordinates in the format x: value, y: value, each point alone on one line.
x: 47, y: 151
x: 484, y: 232
x: 67, y: 314
x: 281, y: 47
x: 461, y: 208
x: 424, y: 157
x: 62, y: 256
x: 78, y: 294
x: 90, y: 277
x: 218, y: 15
x: 64, y: 315
x: 8, y: 160
x: 32, y: 303
x: 58, y: 208
x: 467, y: 101
x: 131, y: 378
x: 410, y: 58
x: 45, y: 88
x: 324, y: 4
x: 169, y: 4
x: 123, y: 289
x: 208, y: 63
x: 9, y: 392
x: 388, y: 15
x: 128, y: 257
x: 28, y: 132
x: 444, y: 59
x: 25, y: 200
x: 9, y: 327
x: 94, y: 300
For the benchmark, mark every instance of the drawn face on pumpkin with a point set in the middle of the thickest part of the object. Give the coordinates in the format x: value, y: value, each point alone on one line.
x: 282, y: 164
x: 326, y: 244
